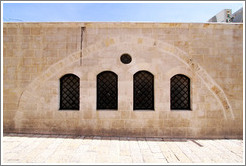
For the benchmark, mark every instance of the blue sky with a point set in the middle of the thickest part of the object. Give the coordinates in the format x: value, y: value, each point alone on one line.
x: 114, y: 12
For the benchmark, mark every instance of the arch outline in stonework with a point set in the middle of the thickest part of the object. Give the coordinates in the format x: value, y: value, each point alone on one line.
x: 138, y: 41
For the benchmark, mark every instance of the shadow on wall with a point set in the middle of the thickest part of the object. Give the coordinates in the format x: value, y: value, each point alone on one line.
x: 81, y: 137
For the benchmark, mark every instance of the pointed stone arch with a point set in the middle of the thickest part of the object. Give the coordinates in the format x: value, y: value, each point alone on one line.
x: 133, y: 41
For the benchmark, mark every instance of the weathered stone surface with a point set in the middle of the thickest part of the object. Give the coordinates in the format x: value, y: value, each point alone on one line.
x: 31, y: 148
x: 37, y: 55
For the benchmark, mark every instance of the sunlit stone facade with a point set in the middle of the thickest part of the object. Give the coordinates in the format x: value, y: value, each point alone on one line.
x: 37, y: 55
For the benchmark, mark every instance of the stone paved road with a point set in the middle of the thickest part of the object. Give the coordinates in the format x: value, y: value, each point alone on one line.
x: 27, y: 148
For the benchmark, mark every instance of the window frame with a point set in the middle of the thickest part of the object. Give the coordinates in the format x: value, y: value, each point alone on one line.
x: 97, y: 92
x: 152, y: 89
x: 61, y: 93
x: 189, y: 94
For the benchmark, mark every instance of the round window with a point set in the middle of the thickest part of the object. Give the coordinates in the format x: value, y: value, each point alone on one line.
x: 126, y: 58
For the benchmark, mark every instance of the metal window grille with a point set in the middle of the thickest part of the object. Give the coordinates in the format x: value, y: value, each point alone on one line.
x: 143, y: 91
x: 69, y: 92
x: 107, y: 90
x: 180, y: 92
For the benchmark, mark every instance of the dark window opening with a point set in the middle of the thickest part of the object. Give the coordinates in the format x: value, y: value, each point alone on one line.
x: 69, y: 92
x: 143, y: 84
x: 126, y: 58
x: 180, y: 92
x: 107, y: 91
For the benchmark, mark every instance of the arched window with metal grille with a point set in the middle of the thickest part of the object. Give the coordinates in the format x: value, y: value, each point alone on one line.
x: 69, y: 92
x: 143, y: 87
x: 180, y: 92
x: 107, y: 91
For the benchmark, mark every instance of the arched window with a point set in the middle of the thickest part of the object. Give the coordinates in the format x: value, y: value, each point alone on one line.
x: 69, y: 92
x: 107, y: 91
x: 143, y: 84
x: 180, y: 92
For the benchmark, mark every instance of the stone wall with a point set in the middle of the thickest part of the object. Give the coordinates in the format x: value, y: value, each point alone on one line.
x: 37, y: 55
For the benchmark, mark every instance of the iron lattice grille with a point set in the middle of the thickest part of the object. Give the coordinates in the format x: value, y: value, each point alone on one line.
x: 126, y: 59
x: 180, y: 92
x: 107, y: 90
x: 69, y: 86
x: 143, y: 91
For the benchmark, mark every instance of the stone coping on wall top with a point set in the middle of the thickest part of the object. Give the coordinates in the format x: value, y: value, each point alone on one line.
x: 124, y: 25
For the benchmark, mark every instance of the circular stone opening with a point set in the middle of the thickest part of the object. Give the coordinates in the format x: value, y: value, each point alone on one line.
x: 126, y: 58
